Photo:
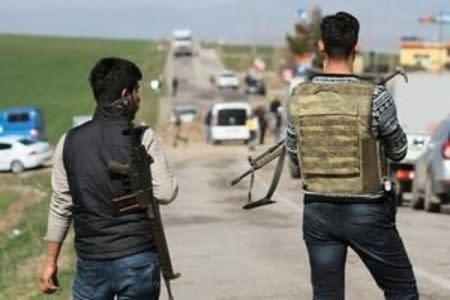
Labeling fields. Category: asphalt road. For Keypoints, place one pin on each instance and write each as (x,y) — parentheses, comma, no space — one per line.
(224,252)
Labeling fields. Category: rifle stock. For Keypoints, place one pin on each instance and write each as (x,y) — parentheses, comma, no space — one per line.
(261,160)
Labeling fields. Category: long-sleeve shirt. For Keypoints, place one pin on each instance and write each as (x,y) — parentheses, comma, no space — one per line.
(165,187)
(385,125)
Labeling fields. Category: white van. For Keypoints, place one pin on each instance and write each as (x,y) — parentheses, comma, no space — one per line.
(182,42)
(229,121)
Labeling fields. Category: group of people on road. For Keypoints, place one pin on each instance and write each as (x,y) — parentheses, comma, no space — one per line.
(260,120)
(341,129)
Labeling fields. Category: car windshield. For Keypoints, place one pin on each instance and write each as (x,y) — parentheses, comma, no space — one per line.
(18,117)
(186,111)
(232,117)
(228,75)
(26,142)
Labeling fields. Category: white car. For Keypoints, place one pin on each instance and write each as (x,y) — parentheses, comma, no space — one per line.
(186,112)
(227,79)
(19,153)
(229,121)
(403,172)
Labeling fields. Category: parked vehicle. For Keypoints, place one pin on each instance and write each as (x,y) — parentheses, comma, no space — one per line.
(186,113)
(18,153)
(254,86)
(22,121)
(227,79)
(403,171)
(431,185)
(229,121)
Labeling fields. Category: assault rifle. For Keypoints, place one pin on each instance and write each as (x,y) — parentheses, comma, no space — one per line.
(279,151)
(138,178)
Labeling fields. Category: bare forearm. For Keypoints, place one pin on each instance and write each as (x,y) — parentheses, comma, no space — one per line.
(53,250)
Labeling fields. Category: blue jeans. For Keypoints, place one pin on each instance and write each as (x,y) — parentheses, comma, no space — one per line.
(132,277)
(329,229)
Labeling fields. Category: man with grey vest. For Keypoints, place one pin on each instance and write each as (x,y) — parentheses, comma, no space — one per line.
(116,256)
(341,132)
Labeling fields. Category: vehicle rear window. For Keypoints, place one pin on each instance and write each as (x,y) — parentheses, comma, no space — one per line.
(26,142)
(232,117)
(18,117)
(4,146)
(228,75)
(186,111)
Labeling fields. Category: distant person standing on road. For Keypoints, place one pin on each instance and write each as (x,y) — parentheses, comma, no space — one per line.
(178,129)
(262,122)
(276,119)
(341,131)
(208,121)
(279,124)
(116,256)
(252,126)
(174,86)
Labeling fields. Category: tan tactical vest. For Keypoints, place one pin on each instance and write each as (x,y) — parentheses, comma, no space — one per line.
(337,152)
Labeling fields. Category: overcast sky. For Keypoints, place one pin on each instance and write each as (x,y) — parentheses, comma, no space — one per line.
(383,22)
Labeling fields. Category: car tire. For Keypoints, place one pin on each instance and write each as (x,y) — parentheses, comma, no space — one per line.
(17,167)
(429,197)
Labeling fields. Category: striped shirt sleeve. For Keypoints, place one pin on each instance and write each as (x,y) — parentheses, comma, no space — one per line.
(385,124)
(291,139)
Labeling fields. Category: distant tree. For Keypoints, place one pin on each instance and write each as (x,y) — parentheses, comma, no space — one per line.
(306,36)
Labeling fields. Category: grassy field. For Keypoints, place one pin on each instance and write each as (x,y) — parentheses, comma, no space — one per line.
(5,200)
(240,57)
(21,252)
(52,74)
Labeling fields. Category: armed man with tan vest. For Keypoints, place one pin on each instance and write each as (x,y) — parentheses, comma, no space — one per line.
(341,132)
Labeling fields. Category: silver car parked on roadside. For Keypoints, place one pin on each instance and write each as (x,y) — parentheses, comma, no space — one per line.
(431,184)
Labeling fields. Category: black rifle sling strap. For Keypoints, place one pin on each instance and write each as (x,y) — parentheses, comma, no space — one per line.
(267,199)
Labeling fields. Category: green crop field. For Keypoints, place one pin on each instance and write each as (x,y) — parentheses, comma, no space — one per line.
(52,74)
(240,57)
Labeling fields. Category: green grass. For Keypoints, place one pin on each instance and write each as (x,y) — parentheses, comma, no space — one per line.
(52,74)
(241,57)
(6,199)
(20,255)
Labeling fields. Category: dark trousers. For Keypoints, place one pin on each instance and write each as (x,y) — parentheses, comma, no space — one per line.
(134,277)
(262,134)
(330,228)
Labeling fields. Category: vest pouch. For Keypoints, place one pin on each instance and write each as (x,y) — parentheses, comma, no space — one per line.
(329,145)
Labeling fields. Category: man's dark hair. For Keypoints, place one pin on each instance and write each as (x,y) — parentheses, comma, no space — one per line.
(339,34)
(110,76)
